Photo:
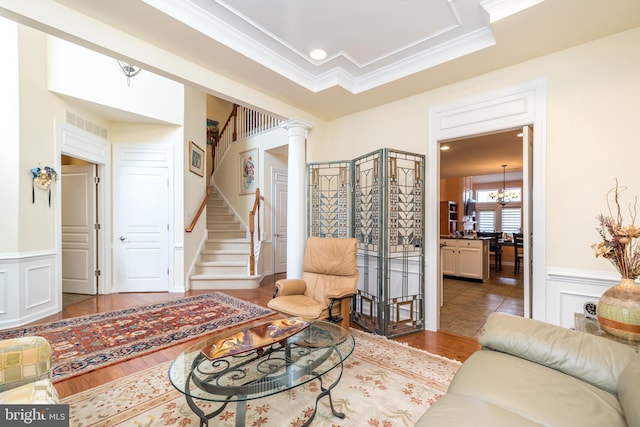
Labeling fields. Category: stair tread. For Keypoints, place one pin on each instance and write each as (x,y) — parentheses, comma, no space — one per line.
(225,252)
(222,263)
(223,276)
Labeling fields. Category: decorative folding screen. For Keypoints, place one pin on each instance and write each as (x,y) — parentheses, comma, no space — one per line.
(330,199)
(384,203)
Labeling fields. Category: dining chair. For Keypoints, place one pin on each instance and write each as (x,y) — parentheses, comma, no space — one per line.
(495,247)
(518,251)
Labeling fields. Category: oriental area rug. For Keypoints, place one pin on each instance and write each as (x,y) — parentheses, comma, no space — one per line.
(384,384)
(82,344)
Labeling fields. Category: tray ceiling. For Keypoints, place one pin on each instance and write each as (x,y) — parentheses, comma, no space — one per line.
(368,42)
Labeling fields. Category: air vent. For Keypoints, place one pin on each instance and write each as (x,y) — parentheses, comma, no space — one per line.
(590,309)
(86,125)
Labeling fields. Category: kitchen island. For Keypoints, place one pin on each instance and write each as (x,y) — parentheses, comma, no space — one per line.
(465,257)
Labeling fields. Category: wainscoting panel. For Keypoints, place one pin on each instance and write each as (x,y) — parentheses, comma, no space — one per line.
(4,290)
(34,291)
(568,290)
(38,285)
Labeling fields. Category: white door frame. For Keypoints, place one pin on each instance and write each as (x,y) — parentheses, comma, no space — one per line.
(81,144)
(276,176)
(511,107)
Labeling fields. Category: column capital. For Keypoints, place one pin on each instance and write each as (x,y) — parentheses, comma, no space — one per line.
(296,124)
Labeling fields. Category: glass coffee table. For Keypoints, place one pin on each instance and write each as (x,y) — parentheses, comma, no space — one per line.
(258,361)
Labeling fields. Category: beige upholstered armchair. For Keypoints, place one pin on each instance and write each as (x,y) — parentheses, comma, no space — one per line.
(329,280)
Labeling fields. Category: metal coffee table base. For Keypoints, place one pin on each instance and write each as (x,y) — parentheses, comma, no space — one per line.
(241,409)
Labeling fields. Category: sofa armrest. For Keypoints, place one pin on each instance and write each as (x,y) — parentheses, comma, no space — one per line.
(289,287)
(593,359)
(24,360)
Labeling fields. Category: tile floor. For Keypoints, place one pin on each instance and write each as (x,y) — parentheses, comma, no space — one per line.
(468,304)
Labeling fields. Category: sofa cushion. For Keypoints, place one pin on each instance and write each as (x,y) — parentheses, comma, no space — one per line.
(23,360)
(596,360)
(629,392)
(39,392)
(535,392)
(457,410)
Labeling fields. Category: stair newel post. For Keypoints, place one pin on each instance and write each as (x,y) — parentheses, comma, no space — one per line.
(252,221)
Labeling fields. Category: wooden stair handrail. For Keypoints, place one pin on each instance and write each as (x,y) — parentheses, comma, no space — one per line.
(252,217)
(190,228)
(230,120)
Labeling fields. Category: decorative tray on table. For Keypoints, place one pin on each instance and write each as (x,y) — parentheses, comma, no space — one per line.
(255,338)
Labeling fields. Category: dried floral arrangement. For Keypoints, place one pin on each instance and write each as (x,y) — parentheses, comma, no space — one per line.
(619,243)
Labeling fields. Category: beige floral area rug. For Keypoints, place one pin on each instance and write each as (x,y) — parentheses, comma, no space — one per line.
(384,384)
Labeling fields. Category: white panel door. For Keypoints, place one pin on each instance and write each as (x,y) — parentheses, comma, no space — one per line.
(79,261)
(280,222)
(142,235)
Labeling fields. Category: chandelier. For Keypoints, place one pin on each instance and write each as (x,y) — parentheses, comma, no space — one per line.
(502,197)
(129,70)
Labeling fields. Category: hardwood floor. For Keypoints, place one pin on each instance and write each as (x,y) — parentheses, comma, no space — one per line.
(447,344)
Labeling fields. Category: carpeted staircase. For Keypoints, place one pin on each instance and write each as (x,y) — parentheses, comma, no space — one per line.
(224,260)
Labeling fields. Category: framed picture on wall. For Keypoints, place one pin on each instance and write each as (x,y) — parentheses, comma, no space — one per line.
(248,171)
(196,159)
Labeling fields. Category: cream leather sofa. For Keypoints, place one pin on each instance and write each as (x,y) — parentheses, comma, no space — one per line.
(530,373)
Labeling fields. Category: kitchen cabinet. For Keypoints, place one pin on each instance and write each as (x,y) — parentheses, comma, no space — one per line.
(468,258)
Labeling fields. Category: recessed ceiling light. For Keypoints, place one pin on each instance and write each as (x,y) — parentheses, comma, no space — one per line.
(444,147)
(318,54)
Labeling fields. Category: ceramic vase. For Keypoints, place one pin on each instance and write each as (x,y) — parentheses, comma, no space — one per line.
(618,310)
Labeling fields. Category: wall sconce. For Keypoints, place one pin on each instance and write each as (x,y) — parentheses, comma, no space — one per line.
(129,70)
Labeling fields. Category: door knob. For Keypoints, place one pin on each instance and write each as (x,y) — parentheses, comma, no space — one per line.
(122,238)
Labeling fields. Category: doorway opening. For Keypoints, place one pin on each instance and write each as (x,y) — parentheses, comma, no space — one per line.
(469,173)
(76,146)
(79,229)
(524,106)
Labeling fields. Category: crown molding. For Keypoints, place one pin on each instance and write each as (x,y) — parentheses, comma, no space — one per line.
(466,33)
(500,9)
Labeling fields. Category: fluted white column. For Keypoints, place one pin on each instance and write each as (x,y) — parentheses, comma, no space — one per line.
(296,195)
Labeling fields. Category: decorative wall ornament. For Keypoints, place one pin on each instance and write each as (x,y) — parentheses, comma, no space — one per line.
(42,178)
(248,171)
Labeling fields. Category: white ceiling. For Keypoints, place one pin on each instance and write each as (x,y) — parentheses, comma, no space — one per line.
(481,157)
(379,50)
